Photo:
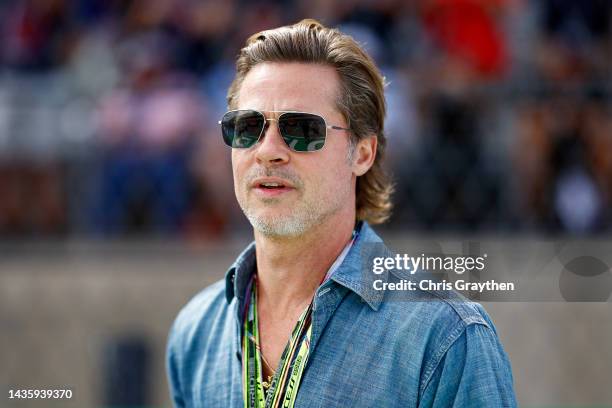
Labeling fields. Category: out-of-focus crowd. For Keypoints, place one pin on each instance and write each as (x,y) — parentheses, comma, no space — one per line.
(498,112)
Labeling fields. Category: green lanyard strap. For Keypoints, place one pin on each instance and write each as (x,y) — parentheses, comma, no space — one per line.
(286,380)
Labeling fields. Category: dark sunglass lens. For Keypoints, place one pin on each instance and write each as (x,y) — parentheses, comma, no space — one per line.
(241,129)
(303,132)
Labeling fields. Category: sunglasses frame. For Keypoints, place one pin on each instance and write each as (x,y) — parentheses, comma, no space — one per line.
(263,129)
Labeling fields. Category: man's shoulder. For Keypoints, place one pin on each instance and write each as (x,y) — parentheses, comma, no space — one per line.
(453,305)
(441,311)
(431,322)
(206,307)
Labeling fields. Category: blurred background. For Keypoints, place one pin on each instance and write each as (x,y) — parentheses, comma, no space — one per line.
(116,195)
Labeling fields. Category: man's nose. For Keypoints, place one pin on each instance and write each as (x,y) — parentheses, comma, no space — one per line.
(271,148)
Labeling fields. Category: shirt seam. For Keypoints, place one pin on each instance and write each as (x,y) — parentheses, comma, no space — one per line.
(466,316)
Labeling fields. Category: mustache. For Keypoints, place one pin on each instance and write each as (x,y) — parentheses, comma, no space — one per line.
(285,174)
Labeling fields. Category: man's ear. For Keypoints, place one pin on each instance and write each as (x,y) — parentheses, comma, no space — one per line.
(364,155)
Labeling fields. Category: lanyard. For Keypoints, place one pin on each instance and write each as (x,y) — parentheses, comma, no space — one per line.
(286,380)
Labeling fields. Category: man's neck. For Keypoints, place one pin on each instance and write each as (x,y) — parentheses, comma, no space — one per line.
(289,270)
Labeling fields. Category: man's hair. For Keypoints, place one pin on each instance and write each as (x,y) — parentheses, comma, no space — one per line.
(361,100)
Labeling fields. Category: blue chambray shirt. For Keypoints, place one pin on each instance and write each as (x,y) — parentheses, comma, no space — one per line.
(436,351)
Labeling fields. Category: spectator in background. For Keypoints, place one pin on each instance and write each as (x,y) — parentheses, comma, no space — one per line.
(147,127)
(468,30)
(37,35)
(564,149)
(564,159)
(450,182)
(36,38)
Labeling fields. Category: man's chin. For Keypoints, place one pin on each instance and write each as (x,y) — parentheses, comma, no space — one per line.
(278,226)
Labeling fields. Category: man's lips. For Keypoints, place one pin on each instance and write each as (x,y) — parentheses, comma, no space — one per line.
(271,182)
(271,186)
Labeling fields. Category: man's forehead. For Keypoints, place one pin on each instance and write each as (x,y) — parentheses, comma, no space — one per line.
(289,86)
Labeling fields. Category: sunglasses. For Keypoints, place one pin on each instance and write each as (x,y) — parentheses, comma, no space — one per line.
(301,131)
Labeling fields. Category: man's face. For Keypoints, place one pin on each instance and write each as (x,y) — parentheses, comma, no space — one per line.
(316,186)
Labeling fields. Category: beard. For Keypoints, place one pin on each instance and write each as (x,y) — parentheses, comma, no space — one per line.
(288,226)
(307,212)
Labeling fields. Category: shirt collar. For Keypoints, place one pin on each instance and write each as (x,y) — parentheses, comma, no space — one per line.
(238,275)
(348,274)
(351,272)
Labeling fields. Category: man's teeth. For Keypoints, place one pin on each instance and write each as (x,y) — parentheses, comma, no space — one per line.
(271,184)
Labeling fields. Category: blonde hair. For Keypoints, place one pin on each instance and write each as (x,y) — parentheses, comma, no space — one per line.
(361,100)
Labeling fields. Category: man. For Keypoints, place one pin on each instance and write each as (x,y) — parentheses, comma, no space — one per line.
(292,323)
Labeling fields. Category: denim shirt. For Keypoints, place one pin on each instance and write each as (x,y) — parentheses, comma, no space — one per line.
(437,351)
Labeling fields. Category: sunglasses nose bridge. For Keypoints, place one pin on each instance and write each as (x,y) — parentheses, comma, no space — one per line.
(266,127)
(271,145)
